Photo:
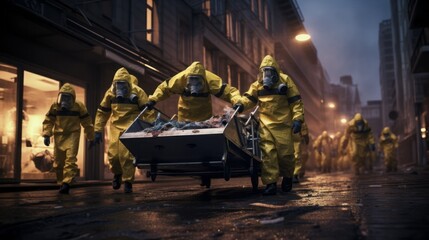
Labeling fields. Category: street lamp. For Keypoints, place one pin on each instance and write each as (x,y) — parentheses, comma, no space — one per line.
(302,37)
(331,105)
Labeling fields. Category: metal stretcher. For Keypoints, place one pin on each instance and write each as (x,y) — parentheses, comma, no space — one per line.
(226,152)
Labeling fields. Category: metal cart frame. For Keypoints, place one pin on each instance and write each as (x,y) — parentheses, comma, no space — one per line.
(225,152)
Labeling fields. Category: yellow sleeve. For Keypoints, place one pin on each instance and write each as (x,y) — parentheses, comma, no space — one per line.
(86,122)
(222,90)
(250,98)
(294,99)
(103,113)
(174,85)
(148,116)
(49,122)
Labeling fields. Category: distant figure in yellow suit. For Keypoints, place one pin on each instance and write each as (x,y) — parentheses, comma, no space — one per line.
(63,121)
(362,142)
(281,112)
(336,151)
(122,103)
(323,146)
(388,145)
(300,146)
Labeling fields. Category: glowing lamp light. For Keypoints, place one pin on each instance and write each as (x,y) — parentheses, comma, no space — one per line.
(302,37)
(343,120)
(331,105)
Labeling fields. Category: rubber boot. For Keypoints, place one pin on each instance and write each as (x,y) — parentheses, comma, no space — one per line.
(128,187)
(64,189)
(270,189)
(116,183)
(286,184)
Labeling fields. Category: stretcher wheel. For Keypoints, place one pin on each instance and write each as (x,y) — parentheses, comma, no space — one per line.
(152,172)
(153,177)
(254,178)
(226,171)
(206,181)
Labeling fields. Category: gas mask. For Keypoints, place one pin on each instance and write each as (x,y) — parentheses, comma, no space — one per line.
(121,89)
(65,101)
(270,77)
(360,125)
(194,85)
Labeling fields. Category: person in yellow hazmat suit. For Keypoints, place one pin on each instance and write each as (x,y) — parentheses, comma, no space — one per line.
(122,103)
(344,160)
(63,121)
(281,112)
(388,144)
(300,148)
(195,85)
(336,140)
(361,141)
(323,146)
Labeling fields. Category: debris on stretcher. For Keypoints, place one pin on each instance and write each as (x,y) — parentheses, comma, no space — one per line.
(173,125)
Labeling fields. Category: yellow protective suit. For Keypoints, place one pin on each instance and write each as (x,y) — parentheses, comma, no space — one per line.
(388,145)
(344,160)
(276,113)
(335,151)
(65,126)
(121,114)
(360,142)
(323,145)
(195,108)
(300,148)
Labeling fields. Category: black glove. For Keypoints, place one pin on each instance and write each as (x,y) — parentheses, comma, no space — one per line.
(296,126)
(150,105)
(46,140)
(238,106)
(98,137)
(306,139)
(372,147)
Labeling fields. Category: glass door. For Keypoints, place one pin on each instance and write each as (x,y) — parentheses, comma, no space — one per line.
(36,158)
(8,116)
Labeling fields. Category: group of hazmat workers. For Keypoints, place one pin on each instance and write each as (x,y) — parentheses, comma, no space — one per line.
(283,133)
(355,148)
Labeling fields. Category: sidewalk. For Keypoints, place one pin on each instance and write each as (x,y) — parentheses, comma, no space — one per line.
(393,205)
(38,186)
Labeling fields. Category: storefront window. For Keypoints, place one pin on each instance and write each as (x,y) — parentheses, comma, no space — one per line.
(8,77)
(36,158)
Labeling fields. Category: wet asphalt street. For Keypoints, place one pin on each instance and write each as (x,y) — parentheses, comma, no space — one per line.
(322,206)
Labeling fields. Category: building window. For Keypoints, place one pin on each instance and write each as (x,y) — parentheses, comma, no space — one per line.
(242,37)
(254,5)
(149,20)
(267,15)
(184,42)
(152,22)
(229,26)
(206,7)
(261,10)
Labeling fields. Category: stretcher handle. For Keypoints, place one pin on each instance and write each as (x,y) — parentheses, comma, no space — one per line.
(252,115)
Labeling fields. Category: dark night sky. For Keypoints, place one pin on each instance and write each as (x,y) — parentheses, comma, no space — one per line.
(345,33)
